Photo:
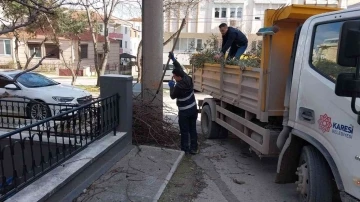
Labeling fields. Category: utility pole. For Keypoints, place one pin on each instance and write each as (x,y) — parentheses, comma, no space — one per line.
(152,50)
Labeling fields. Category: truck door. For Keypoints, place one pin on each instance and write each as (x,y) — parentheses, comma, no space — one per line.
(320,113)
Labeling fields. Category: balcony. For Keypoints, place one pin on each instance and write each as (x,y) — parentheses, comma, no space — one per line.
(115,35)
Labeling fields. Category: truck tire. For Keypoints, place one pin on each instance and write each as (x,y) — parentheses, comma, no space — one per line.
(314,176)
(210,129)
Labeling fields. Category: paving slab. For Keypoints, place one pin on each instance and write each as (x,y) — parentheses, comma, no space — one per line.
(141,175)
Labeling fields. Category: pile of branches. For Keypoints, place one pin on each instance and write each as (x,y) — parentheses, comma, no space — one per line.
(211,48)
(153,126)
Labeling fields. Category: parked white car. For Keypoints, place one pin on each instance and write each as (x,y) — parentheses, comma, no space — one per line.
(169,69)
(41,89)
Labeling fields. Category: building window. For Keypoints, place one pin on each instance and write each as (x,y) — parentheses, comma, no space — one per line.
(198,44)
(223,12)
(35,48)
(217,12)
(5,47)
(239,13)
(257,18)
(52,50)
(125,44)
(84,51)
(232,12)
(126,30)
(325,47)
(101,27)
(188,44)
(120,43)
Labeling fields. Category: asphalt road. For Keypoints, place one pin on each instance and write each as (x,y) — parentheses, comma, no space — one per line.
(225,170)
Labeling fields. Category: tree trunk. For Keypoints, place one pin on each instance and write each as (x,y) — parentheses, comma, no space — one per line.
(106,48)
(79,58)
(139,58)
(94,39)
(67,66)
(96,62)
(17,41)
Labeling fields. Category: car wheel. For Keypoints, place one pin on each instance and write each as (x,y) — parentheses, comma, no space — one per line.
(38,111)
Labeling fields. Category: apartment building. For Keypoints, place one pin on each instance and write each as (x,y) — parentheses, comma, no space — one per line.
(204,19)
(33,44)
(135,35)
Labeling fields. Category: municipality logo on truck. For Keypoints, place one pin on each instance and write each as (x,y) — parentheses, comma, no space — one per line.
(326,125)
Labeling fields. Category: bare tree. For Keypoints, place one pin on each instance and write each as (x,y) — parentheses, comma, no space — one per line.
(174,7)
(27,12)
(19,15)
(104,12)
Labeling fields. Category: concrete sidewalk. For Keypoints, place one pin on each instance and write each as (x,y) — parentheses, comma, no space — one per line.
(141,175)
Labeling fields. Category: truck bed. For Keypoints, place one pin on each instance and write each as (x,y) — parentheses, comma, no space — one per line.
(245,88)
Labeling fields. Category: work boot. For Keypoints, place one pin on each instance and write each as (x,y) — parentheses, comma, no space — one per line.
(194,151)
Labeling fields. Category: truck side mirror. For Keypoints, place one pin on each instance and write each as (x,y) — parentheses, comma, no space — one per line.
(348,55)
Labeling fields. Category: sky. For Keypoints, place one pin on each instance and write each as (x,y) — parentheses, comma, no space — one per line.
(128,10)
(327,31)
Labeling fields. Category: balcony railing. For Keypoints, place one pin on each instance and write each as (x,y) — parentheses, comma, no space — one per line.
(115,35)
(29,152)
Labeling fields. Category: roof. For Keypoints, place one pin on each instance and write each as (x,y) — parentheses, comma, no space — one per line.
(87,36)
(135,20)
(126,55)
(117,20)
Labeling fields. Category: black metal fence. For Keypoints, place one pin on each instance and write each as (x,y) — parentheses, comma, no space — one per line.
(29,152)
(18,112)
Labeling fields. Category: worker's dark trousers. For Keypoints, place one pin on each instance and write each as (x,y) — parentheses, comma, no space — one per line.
(187,123)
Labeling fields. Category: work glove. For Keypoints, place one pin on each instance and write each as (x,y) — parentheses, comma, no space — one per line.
(171,83)
(171,56)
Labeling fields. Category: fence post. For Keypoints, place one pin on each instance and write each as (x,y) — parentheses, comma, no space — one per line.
(112,84)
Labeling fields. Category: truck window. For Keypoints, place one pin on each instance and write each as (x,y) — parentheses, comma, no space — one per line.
(324,51)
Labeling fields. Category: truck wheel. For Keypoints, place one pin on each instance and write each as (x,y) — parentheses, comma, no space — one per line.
(314,176)
(210,129)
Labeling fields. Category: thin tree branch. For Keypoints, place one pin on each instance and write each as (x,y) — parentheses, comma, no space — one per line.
(31,20)
(31,69)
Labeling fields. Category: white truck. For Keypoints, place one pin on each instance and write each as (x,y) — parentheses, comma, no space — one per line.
(300,104)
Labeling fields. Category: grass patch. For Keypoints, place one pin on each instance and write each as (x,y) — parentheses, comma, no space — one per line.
(93,89)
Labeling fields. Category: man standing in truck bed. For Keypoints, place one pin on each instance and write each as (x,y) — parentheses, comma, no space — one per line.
(233,39)
(183,92)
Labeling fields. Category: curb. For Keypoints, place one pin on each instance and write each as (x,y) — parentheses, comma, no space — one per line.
(168,177)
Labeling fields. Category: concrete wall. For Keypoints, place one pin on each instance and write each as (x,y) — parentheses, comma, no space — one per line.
(18,156)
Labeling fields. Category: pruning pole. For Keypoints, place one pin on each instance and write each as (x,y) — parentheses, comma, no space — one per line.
(167,64)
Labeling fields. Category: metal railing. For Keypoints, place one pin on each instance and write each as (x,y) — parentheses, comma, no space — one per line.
(29,152)
(17,112)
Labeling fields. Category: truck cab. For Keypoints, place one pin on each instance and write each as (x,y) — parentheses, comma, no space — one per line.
(309,80)
(321,121)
